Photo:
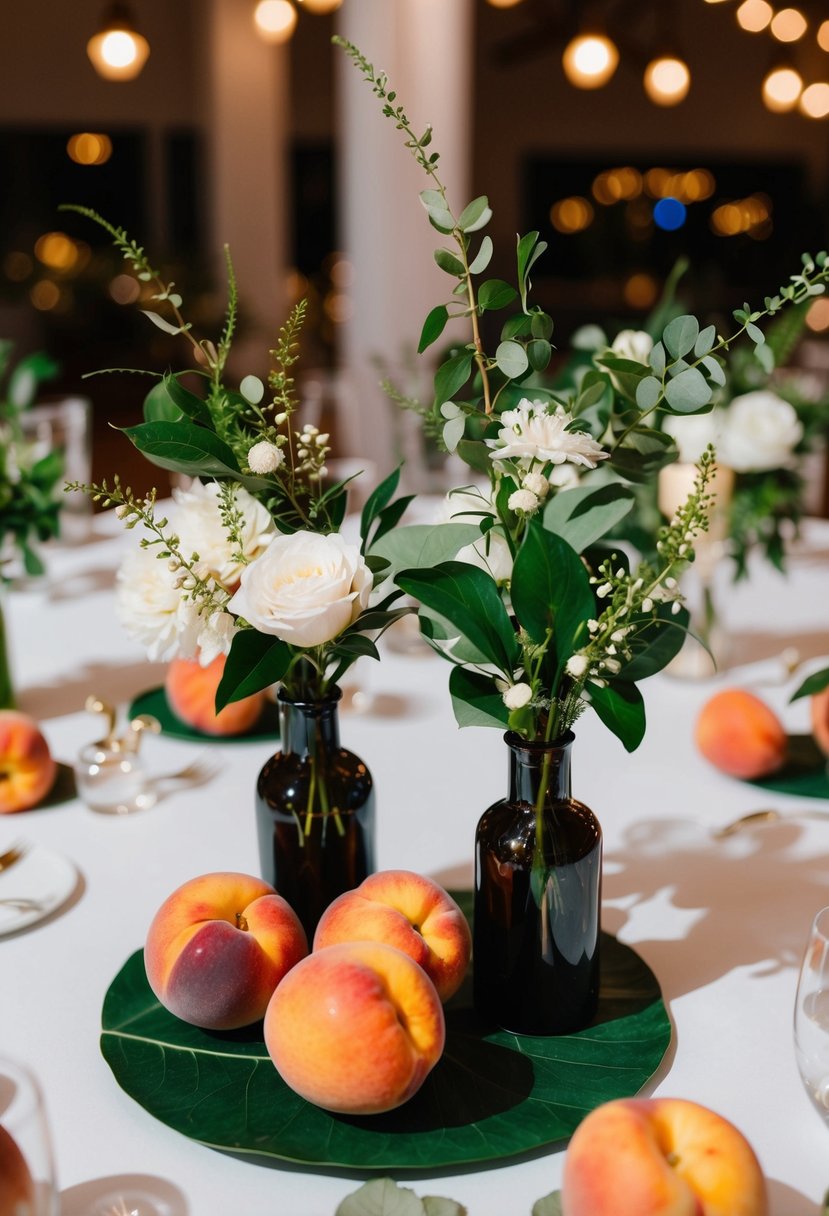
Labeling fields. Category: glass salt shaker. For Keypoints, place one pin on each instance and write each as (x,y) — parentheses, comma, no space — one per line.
(109,774)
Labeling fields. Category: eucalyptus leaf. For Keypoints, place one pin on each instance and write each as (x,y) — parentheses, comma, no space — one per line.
(453,431)
(648,392)
(680,335)
(714,368)
(483,257)
(442,219)
(449,262)
(688,391)
(657,358)
(475,215)
(511,359)
(706,339)
(541,325)
(495,293)
(539,353)
(252,389)
(475,699)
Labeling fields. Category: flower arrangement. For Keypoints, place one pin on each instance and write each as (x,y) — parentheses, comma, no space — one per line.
(29,483)
(567,620)
(249,561)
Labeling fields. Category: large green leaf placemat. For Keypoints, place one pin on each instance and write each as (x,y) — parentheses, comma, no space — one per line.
(154,701)
(492,1095)
(804,773)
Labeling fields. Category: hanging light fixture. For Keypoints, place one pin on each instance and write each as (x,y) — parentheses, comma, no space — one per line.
(590,59)
(116,50)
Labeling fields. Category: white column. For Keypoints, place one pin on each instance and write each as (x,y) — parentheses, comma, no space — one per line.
(246,102)
(425,48)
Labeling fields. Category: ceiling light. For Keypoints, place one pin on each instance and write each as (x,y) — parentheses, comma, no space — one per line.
(117,51)
(667,80)
(589,60)
(781,89)
(275,20)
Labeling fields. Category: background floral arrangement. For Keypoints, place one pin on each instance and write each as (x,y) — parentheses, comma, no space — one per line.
(545,616)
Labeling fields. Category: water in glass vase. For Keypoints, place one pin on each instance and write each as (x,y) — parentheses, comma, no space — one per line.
(811,1044)
(536,919)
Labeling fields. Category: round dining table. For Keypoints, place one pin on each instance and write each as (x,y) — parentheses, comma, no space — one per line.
(721,920)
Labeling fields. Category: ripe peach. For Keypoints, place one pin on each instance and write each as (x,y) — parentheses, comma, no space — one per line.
(819,708)
(218,947)
(740,735)
(408,911)
(355,1028)
(663,1157)
(17,1188)
(191,695)
(27,770)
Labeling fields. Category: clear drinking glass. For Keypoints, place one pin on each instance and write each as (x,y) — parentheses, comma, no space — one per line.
(811,1015)
(27,1176)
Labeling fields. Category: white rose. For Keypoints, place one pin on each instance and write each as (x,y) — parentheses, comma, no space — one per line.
(198,523)
(760,431)
(632,344)
(305,588)
(152,610)
(491,552)
(530,433)
(692,433)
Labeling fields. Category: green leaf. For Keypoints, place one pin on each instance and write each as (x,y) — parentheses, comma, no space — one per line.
(184,448)
(549,1205)
(475,699)
(449,262)
(475,453)
(256,660)
(469,599)
(541,325)
(680,335)
(643,453)
(626,373)
(433,327)
(657,359)
(452,375)
(380,496)
(539,353)
(495,293)
(424,545)
(252,389)
(583,515)
(436,1205)
(453,431)
(483,257)
(648,392)
(814,683)
(621,708)
(518,326)
(381,1197)
(688,391)
(755,334)
(356,644)
(655,641)
(476,215)
(550,591)
(390,516)
(707,338)
(714,369)
(511,359)
(492,1096)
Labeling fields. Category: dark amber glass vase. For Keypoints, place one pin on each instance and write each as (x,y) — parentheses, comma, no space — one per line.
(314,810)
(538,864)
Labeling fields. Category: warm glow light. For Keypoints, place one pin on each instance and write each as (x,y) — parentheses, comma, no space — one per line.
(320,6)
(124,289)
(338,307)
(823,36)
(817,318)
(640,290)
(56,250)
(751,215)
(504,3)
(781,89)
(117,51)
(616,185)
(275,20)
(667,80)
(814,100)
(696,185)
(45,295)
(754,15)
(589,61)
(570,215)
(89,149)
(788,25)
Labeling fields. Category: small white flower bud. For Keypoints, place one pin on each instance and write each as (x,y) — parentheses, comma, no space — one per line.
(647,604)
(523,500)
(537,484)
(173,564)
(613,666)
(605,590)
(122,511)
(675,607)
(593,626)
(518,696)
(576,666)
(265,457)
(280,418)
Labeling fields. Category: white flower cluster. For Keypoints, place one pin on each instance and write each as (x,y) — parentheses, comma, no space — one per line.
(531,434)
(312,450)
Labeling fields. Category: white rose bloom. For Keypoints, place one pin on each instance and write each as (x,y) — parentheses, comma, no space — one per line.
(199,526)
(523,500)
(760,431)
(151,609)
(632,344)
(265,457)
(491,552)
(517,696)
(529,433)
(305,588)
(692,433)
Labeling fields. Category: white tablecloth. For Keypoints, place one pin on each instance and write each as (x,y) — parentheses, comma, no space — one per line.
(721,922)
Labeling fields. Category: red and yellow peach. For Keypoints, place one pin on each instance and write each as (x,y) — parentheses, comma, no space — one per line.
(740,735)
(27,770)
(191,695)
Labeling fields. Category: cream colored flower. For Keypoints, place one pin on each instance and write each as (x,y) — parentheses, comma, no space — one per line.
(491,552)
(151,608)
(760,431)
(517,696)
(537,483)
(265,457)
(305,588)
(524,501)
(632,344)
(692,433)
(198,524)
(530,433)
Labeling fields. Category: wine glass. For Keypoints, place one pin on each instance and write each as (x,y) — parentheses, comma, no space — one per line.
(811,1015)
(27,1177)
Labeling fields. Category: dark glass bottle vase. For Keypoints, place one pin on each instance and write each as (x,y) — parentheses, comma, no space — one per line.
(537,909)
(314,811)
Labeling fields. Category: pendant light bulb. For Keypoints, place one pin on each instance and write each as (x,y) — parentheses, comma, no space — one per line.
(589,60)
(667,80)
(274,20)
(116,50)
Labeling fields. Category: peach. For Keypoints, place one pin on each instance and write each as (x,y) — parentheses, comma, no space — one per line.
(17,1188)
(408,911)
(27,770)
(740,735)
(660,1157)
(819,709)
(217,948)
(191,695)
(355,1028)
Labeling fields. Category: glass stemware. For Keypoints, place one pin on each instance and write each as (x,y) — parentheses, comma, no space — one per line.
(27,1179)
(811,1015)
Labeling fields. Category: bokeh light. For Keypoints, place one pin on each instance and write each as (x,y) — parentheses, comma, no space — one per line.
(667,80)
(590,60)
(669,214)
(788,25)
(814,100)
(572,214)
(640,290)
(781,89)
(754,15)
(88,148)
(275,20)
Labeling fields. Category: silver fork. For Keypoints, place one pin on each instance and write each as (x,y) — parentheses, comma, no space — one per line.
(12,855)
(197,772)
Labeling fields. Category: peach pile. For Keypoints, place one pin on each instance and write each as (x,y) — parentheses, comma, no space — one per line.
(17,1189)
(218,947)
(410,912)
(191,695)
(740,735)
(663,1157)
(27,770)
(355,1028)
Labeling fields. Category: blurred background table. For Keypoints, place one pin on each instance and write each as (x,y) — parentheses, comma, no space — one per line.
(722,922)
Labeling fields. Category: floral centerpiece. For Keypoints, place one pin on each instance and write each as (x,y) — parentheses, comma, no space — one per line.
(249,563)
(544,616)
